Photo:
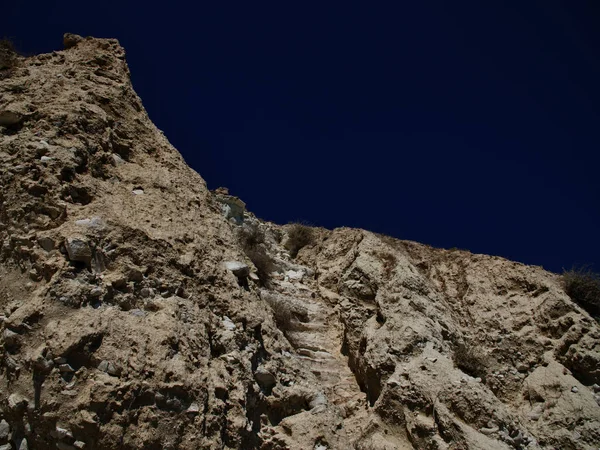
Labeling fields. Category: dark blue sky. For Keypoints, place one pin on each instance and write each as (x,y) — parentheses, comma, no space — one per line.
(458,124)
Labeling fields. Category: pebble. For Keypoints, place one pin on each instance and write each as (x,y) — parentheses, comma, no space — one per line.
(596,388)
(46,159)
(138,191)
(108,367)
(574,389)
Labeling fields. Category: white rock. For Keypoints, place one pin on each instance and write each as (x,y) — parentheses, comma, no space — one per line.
(138,191)
(574,389)
(117,159)
(295,275)
(228,324)
(46,159)
(317,400)
(61,433)
(94,222)
(239,269)
(193,408)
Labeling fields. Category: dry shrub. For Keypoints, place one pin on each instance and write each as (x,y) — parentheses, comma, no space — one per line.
(299,235)
(8,58)
(470,360)
(252,240)
(583,286)
(389,262)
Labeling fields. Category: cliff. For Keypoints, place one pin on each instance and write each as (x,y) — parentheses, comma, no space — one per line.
(141,310)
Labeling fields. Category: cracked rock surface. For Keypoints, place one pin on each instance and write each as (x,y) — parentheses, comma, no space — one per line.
(132,316)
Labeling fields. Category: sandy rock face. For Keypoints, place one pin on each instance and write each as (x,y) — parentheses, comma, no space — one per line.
(132,316)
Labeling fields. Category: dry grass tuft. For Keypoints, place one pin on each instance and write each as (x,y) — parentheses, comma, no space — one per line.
(8,58)
(470,360)
(252,240)
(299,235)
(583,286)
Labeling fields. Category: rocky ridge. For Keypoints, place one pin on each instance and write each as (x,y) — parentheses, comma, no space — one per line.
(132,317)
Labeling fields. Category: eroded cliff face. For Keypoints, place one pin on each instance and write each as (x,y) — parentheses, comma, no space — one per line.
(133,318)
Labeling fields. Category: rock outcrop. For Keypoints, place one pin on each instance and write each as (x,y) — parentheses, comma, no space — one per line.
(132,317)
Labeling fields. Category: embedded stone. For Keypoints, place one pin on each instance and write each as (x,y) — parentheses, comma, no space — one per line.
(239,269)
(78,250)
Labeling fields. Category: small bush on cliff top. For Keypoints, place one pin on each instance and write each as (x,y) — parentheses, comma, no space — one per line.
(583,286)
(299,235)
(8,57)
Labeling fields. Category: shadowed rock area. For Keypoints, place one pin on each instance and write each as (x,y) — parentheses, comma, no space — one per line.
(132,315)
